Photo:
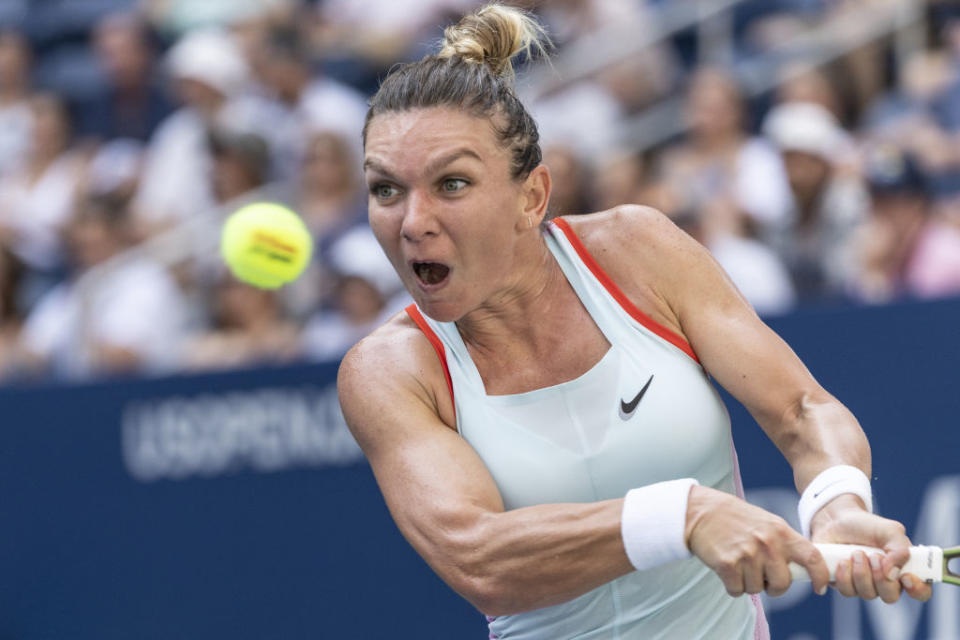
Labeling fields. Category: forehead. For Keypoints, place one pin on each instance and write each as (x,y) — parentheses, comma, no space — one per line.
(410,139)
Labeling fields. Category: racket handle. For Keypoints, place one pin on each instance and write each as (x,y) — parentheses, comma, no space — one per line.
(925,562)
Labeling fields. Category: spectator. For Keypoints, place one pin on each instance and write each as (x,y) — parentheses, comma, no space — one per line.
(330,196)
(330,199)
(719,160)
(904,249)
(583,116)
(127,317)
(210,76)
(178,17)
(571,181)
(366,293)
(805,84)
(828,200)
(15,63)
(132,103)
(37,199)
(303,100)
(249,328)
(621,177)
(634,81)
(754,268)
(241,163)
(380,32)
(114,169)
(914,117)
(11,313)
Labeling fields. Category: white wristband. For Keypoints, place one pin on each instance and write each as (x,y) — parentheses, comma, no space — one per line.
(828,485)
(653,521)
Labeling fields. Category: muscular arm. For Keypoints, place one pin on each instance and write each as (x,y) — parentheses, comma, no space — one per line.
(686,290)
(444,500)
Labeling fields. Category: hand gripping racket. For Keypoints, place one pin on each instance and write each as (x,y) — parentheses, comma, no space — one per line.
(927,563)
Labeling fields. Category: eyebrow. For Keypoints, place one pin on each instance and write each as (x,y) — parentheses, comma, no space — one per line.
(432,167)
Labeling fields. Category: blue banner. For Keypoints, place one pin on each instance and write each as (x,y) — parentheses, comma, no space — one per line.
(237,505)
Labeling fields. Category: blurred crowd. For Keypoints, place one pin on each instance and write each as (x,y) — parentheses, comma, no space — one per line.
(122,121)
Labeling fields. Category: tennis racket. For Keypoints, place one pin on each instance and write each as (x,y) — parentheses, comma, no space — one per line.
(927,563)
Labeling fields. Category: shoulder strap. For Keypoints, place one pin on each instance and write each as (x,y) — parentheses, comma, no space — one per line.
(614,291)
(434,339)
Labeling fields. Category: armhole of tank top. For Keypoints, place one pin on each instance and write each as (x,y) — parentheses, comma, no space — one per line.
(618,295)
(434,339)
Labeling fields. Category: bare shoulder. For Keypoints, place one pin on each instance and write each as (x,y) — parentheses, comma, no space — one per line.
(630,230)
(645,254)
(393,369)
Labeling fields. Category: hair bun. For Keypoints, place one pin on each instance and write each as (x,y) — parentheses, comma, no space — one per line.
(492,36)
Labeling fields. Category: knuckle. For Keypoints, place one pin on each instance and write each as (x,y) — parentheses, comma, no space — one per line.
(728,564)
(778,585)
(727,573)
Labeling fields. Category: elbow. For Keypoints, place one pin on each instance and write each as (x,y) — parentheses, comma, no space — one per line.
(484,595)
(492,596)
(477,575)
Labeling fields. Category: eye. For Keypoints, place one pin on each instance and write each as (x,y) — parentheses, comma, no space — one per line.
(383,191)
(453,185)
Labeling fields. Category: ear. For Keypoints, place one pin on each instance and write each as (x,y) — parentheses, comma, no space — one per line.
(536,196)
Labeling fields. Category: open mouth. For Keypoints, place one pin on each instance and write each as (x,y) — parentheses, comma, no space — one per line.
(430,272)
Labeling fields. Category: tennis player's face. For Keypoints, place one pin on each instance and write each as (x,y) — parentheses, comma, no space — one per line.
(444,207)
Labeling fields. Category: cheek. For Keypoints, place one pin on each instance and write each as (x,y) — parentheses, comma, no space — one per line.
(386,229)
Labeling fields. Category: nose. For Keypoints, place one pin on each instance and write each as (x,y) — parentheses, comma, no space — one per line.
(419,219)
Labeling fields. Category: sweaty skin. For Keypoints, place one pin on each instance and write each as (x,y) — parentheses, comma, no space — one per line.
(441,194)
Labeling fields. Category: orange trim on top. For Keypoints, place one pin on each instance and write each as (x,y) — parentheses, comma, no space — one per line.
(618,295)
(434,339)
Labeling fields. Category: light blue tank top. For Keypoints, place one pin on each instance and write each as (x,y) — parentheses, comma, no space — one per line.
(646,412)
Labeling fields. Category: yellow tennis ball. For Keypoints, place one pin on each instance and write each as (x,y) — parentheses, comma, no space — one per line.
(266,244)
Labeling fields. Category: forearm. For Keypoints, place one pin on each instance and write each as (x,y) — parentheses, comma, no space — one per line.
(818,432)
(534,557)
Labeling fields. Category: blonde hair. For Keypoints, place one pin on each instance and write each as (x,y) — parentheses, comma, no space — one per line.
(492,36)
(473,72)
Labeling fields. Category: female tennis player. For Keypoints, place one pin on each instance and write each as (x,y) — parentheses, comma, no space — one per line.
(542,422)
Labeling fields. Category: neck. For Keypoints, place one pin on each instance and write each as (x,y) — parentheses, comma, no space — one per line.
(525,313)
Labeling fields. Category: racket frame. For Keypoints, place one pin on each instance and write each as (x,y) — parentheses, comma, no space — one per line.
(948,576)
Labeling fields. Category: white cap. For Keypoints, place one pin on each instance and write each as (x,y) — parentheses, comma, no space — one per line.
(805,127)
(357,254)
(211,57)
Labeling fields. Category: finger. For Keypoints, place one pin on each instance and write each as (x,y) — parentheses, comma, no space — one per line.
(915,587)
(732,577)
(843,578)
(888,590)
(891,562)
(807,555)
(778,578)
(753,575)
(894,559)
(863,576)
